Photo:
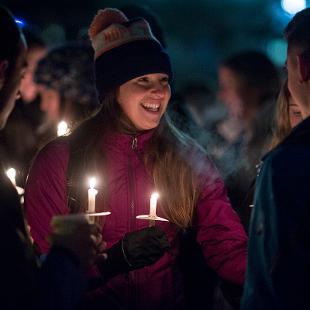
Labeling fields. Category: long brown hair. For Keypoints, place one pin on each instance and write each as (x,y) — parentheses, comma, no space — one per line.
(165,158)
(172,172)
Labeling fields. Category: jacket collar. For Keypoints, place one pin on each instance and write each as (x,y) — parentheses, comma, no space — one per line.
(125,142)
(300,133)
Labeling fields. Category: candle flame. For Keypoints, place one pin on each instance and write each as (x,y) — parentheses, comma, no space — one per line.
(92,182)
(11,173)
(155,196)
(62,128)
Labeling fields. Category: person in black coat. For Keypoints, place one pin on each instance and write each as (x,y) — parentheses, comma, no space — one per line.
(278,269)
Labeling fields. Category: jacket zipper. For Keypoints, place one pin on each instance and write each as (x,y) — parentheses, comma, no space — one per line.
(132,278)
(134,144)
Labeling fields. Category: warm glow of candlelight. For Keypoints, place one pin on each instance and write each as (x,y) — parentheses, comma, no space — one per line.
(92,182)
(92,192)
(153,204)
(62,128)
(11,173)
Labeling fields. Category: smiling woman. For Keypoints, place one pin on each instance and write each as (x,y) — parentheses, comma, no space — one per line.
(144,100)
(132,146)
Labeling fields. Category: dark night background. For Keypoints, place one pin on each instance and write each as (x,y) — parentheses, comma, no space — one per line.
(199,33)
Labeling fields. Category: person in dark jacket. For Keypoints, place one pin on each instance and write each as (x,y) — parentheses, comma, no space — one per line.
(278,268)
(133,150)
(59,282)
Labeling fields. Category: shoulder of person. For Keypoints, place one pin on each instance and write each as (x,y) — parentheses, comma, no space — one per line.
(54,155)
(288,162)
(57,147)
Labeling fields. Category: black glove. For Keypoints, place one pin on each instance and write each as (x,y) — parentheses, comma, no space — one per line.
(136,250)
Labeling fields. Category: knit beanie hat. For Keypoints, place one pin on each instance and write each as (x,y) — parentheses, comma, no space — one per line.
(124,49)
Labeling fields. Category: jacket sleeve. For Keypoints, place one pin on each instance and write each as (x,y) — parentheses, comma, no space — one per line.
(219,230)
(289,232)
(45,192)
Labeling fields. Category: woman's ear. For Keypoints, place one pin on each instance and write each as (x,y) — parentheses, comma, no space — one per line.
(303,64)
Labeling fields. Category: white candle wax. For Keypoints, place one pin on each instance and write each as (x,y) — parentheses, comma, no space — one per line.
(153,204)
(92,192)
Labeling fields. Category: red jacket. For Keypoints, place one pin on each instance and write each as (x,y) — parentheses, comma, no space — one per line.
(129,186)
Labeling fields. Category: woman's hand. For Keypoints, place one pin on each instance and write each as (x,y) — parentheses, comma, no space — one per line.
(136,250)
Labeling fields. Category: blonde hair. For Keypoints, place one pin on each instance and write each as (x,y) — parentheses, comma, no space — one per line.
(172,170)
(282,124)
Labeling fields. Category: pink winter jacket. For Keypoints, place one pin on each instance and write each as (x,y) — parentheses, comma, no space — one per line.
(219,231)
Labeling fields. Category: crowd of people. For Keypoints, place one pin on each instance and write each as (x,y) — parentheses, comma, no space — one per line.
(229,229)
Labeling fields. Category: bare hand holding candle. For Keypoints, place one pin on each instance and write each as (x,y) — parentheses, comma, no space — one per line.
(92,193)
(152,217)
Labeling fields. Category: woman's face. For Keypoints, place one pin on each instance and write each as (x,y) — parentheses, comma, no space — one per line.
(144,99)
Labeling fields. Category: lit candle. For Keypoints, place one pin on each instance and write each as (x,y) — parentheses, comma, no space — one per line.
(62,128)
(152,216)
(11,173)
(92,192)
(153,204)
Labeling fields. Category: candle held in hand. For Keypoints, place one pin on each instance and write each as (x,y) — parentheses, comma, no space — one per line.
(152,217)
(92,192)
(11,173)
(153,204)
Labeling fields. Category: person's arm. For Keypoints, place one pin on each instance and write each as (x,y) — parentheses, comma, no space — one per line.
(45,192)
(219,230)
